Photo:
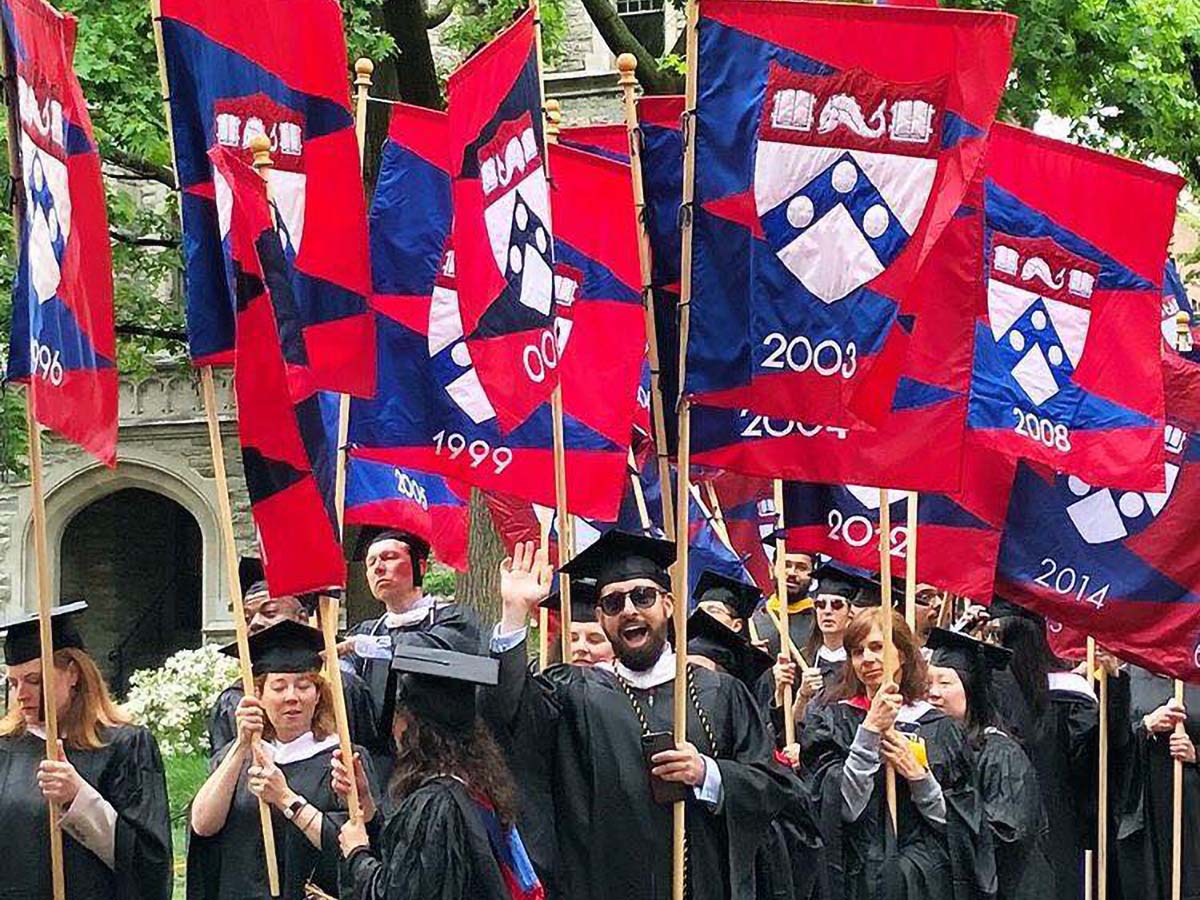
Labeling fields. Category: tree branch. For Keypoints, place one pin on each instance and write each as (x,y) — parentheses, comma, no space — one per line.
(620,40)
(438,13)
(166,334)
(143,240)
(140,166)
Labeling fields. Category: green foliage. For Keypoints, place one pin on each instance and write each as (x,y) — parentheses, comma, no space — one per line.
(439,581)
(675,63)
(475,25)
(185,775)
(1123,73)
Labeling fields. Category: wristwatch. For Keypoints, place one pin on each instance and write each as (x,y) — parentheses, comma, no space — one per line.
(292,809)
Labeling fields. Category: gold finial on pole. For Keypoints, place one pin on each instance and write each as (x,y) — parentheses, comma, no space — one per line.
(1183,331)
(627,66)
(553,120)
(363,70)
(260,146)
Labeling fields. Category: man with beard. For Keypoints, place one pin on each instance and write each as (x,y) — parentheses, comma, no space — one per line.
(395,566)
(799,570)
(593,723)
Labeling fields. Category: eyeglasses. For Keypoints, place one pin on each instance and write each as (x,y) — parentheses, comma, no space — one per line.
(837,604)
(641,597)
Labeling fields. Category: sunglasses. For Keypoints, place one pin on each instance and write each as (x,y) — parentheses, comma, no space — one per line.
(641,597)
(837,604)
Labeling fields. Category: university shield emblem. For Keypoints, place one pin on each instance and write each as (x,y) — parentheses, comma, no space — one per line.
(44,171)
(843,170)
(1039,308)
(516,212)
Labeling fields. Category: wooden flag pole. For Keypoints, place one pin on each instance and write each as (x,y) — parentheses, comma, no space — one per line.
(363,69)
(679,814)
(1088,855)
(543,612)
(910,560)
(890,661)
(785,630)
(41,550)
(208,392)
(639,496)
(627,67)
(241,632)
(718,517)
(1183,342)
(566,528)
(1102,812)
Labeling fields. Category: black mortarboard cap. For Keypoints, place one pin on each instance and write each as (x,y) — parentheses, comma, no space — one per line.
(439,685)
(740,597)
(962,652)
(729,649)
(22,641)
(1001,607)
(838,580)
(621,556)
(584,598)
(284,647)
(369,534)
(250,573)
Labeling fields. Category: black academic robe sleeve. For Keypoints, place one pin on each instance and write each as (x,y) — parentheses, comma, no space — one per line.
(137,790)
(423,855)
(1012,804)
(222,719)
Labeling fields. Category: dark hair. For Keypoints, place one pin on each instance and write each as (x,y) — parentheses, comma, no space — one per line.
(981,706)
(1032,659)
(426,751)
(418,551)
(912,664)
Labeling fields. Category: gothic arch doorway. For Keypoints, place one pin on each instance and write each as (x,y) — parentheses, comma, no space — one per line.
(135,556)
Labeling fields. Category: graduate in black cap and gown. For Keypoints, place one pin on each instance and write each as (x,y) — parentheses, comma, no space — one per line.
(786,865)
(395,564)
(1145,834)
(941,851)
(960,685)
(1062,737)
(598,725)
(283,754)
(798,571)
(109,781)
(268,611)
(452,835)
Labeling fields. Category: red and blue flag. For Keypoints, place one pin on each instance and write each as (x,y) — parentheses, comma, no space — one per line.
(748,512)
(1120,565)
(433,508)
(1067,344)
(287,456)
(834,144)
(63,343)
(278,68)
(503,240)
(434,410)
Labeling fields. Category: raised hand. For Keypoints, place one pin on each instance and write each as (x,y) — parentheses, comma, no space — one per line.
(524,583)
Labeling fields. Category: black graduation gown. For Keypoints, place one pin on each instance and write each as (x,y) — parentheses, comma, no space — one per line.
(614,840)
(434,847)
(448,626)
(1144,836)
(800,626)
(1012,804)
(927,862)
(128,773)
(788,860)
(1063,746)
(231,864)
(222,720)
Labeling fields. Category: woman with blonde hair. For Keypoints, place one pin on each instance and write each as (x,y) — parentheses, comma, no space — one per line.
(282,754)
(107,780)
(874,721)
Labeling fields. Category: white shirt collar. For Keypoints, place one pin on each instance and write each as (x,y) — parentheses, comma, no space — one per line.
(411,616)
(304,747)
(833,656)
(1071,683)
(659,673)
(910,713)
(38,731)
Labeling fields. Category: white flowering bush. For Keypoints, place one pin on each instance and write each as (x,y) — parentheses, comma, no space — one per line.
(174,700)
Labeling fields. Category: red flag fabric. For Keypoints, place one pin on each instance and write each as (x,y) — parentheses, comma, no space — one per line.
(1067,337)
(503,241)
(63,340)
(287,458)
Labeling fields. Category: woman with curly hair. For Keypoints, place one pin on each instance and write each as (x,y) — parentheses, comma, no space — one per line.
(874,721)
(451,836)
(107,778)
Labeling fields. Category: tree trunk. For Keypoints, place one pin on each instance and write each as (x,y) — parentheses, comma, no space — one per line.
(479,586)
(620,39)
(417,77)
